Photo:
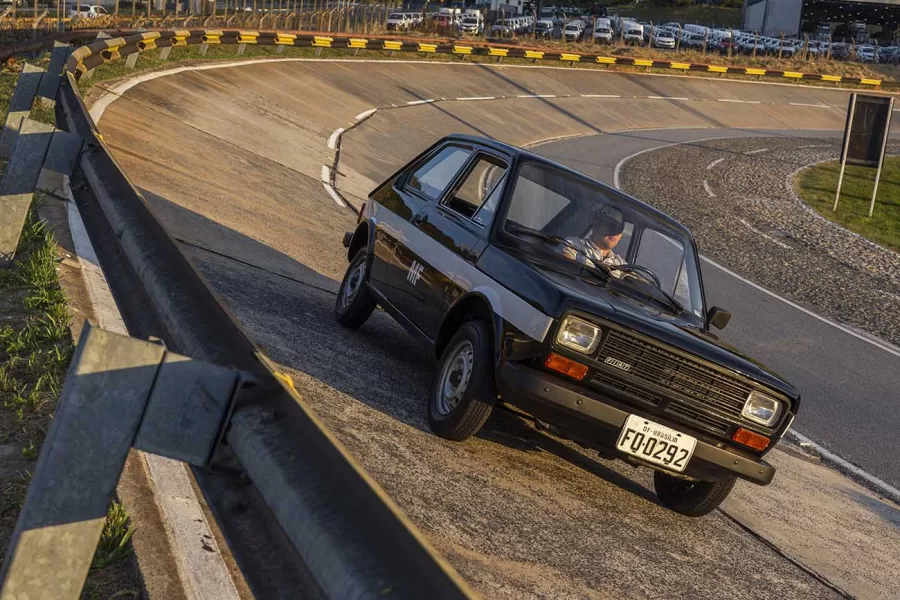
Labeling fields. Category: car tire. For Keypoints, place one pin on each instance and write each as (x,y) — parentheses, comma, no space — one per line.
(690,498)
(354,303)
(464,392)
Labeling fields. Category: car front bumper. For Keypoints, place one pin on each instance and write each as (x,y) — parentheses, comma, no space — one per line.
(568,407)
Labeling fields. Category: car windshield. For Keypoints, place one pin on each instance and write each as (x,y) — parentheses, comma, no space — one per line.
(555,204)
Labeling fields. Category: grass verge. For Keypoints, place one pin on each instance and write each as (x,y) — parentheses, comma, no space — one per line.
(817,185)
(35,351)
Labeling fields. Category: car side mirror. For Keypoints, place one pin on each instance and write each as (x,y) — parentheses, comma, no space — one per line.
(718,317)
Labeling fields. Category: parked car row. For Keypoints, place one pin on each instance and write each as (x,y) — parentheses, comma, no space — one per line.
(513,26)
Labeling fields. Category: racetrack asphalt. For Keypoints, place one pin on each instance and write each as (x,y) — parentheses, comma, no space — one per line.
(519,513)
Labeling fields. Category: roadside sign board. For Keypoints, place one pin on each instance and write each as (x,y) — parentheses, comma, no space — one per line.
(864,137)
(866,134)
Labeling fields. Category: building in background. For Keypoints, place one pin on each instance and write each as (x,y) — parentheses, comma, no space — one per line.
(847,19)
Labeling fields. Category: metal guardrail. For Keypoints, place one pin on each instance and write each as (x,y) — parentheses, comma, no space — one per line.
(122,392)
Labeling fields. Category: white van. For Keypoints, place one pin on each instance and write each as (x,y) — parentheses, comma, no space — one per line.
(574,31)
(633,33)
(471,22)
(603,31)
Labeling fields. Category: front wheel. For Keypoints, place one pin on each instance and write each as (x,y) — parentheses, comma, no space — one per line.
(690,498)
(464,391)
(354,304)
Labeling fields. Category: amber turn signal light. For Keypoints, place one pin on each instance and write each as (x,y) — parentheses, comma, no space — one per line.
(750,439)
(566,366)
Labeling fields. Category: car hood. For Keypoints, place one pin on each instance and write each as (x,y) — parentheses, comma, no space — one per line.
(645,316)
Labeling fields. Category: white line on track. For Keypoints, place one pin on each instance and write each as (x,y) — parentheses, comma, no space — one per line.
(757,151)
(665,98)
(536,96)
(882,485)
(766,236)
(326,174)
(811,105)
(814,146)
(365,114)
(731,100)
(604,96)
(333,138)
(710,166)
(334,195)
(708,189)
(864,338)
(414,102)
(477,98)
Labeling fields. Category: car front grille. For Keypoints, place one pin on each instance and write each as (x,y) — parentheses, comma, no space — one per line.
(702,395)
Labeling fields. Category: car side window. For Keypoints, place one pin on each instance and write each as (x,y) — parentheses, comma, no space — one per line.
(477,196)
(432,178)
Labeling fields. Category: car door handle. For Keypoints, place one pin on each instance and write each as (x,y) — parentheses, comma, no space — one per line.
(420,219)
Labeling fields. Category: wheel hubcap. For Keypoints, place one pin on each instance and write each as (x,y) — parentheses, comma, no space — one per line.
(455,377)
(353,283)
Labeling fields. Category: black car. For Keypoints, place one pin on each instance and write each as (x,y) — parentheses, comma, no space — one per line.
(494,259)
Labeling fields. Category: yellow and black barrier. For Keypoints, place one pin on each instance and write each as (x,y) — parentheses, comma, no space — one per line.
(88,57)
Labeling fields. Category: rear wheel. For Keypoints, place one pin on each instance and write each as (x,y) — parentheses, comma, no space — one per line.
(690,498)
(354,304)
(464,391)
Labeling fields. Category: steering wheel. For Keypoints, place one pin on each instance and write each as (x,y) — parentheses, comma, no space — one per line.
(642,271)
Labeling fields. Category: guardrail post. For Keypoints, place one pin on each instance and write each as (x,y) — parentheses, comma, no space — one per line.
(49,87)
(204,47)
(81,460)
(20,106)
(165,52)
(37,146)
(120,392)
(240,49)
(132,59)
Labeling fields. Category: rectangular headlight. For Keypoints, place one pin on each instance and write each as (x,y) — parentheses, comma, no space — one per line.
(761,409)
(578,334)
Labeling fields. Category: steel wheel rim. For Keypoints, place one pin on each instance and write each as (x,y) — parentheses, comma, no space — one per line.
(455,377)
(353,284)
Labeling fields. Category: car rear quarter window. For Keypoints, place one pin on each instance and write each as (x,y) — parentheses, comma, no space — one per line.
(432,178)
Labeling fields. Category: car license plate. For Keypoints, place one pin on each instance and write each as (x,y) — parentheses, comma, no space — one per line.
(656,443)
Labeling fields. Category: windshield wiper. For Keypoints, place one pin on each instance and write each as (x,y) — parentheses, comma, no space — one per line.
(604,275)
(650,277)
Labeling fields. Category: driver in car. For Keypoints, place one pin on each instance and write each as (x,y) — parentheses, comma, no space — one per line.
(597,247)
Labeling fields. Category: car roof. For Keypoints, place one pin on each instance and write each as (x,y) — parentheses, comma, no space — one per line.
(618,195)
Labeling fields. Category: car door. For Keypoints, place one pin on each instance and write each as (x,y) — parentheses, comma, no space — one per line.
(459,223)
(401,250)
